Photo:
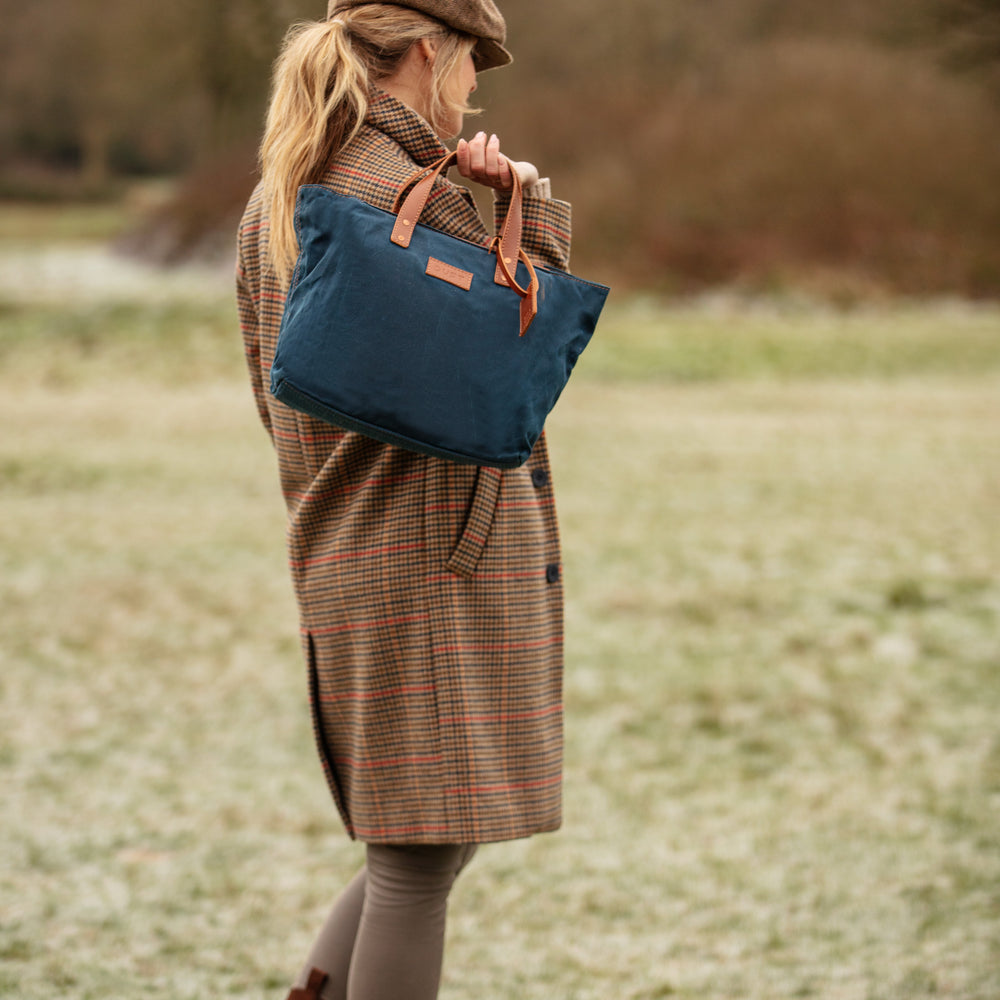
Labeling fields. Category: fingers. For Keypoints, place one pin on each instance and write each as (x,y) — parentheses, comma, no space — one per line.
(497,165)
(480,160)
(503,172)
(464,163)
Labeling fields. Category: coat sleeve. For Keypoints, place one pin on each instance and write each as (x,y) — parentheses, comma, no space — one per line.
(548,226)
(248,291)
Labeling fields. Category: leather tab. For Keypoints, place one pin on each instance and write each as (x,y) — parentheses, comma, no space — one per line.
(448,272)
(402,232)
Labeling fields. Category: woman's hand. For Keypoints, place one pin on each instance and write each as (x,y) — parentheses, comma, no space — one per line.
(480,160)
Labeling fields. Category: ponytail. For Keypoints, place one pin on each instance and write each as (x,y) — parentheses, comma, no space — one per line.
(319,100)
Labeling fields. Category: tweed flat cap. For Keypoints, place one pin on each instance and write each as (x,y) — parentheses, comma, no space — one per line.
(480,18)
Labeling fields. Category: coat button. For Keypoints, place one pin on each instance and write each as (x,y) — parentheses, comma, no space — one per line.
(539,478)
(552,573)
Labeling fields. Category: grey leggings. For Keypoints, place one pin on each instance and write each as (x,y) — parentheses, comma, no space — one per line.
(384,938)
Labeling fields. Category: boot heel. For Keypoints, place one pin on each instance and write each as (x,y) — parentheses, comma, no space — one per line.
(312,987)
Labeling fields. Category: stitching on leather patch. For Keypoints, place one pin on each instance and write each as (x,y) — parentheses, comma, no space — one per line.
(446,272)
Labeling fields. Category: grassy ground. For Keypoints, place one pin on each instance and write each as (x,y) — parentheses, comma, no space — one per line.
(783,759)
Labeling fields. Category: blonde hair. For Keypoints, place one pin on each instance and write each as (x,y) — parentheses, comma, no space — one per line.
(319,100)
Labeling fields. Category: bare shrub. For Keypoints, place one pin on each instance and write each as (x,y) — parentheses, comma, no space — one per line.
(792,157)
(199,220)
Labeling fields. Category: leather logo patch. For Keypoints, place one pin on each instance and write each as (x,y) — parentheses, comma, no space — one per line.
(446,272)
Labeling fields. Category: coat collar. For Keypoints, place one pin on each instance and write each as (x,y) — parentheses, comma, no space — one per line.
(404,126)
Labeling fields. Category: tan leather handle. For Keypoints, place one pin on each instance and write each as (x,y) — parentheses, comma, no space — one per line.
(412,208)
(529,295)
(510,235)
(407,216)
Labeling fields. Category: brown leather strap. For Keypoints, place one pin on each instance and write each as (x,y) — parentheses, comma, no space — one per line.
(312,987)
(412,208)
(507,245)
(510,232)
(413,205)
(529,295)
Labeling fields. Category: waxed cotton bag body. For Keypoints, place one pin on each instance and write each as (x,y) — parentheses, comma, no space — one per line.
(424,340)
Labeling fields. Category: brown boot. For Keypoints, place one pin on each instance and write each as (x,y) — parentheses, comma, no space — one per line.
(312,988)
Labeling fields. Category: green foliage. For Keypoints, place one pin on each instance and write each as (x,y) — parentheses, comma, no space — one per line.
(638,340)
(27,225)
(730,337)
(172,341)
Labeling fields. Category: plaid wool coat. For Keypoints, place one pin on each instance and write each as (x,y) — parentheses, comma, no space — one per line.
(430,593)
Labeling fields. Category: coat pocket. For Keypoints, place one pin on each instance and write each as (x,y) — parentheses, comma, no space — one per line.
(478,522)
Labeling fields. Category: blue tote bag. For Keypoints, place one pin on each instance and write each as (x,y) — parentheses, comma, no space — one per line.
(424,340)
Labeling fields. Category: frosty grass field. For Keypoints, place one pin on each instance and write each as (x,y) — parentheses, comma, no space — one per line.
(782,550)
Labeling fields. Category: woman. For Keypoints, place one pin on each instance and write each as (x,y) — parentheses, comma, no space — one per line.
(429,592)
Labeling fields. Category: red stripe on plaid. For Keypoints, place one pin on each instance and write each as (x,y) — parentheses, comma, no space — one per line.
(326,436)
(375,765)
(522,504)
(450,720)
(495,789)
(560,234)
(366,484)
(364,176)
(374,623)
(400,692)
(389,834)
(437,508)
(497,647)
(388,550)
(481,575)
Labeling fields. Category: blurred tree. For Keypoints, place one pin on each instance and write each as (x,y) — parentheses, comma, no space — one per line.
(78,76)
(972,36)
(232,44)
(100,52)
(699,141)
(83,80)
